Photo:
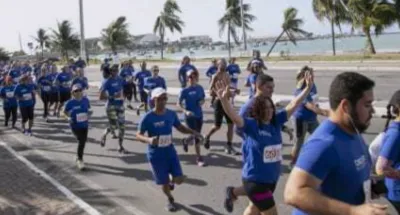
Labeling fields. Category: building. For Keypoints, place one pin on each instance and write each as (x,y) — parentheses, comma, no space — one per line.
(196,40)
(145,39)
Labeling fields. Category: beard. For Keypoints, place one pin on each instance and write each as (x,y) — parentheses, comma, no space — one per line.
(360,126)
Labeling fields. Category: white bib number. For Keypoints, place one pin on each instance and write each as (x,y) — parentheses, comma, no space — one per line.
(118,96)
(27,96)
(81,117)
(272,154)
(128,78)
(66,84)
(9,94)
(367,190)
(46,88)
(16,79)
(164,140)
(235,76)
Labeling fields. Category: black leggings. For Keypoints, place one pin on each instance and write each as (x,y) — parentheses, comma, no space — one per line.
(81,135)
(129,89)
(46,102)
(8,112)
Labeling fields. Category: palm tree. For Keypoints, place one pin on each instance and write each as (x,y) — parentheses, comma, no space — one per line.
(372,15)
(168,20)
(232,20)
(43,39)
(4,56)
(64,39)
(116,34)
(332,11)
(291,26)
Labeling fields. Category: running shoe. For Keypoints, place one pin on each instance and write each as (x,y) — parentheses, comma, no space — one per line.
(103,141)
(171,206)
(229,199)
(171,186)
(121,150)
(29,132)
(130,107)
(200,162)
(185,144)
(114,136)
(80,164)
(231,150)
(138,112)
(207,143)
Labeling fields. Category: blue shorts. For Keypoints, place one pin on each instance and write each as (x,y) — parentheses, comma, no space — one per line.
(194,123)
(165,164)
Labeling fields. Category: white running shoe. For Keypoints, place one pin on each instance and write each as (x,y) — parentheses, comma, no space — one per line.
(80,164)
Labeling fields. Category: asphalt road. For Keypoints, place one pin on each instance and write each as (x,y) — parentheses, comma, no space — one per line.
(386,81)
(122,184)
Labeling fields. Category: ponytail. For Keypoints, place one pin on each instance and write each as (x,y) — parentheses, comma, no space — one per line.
(389,116)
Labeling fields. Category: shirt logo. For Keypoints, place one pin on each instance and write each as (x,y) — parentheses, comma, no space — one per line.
(191,93)
(159,124)
(360,163)
(264,133)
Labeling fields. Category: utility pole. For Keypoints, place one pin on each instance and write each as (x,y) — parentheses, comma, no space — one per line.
(243,26)
(83,49)
(20,42)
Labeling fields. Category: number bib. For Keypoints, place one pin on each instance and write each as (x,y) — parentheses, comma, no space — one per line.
(367,190)
(9,94)
(27,96)
(46,88)
(81,117)
(66,84)
(272,154)
(164,140)
(128,78)
(235,76)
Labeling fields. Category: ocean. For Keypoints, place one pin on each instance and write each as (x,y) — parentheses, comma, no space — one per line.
(383,43)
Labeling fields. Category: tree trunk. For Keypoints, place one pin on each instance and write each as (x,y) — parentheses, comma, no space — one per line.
(42,52)
(276,41)
(369,41)
(229,40)
(333,36)
(162,47)
(66,54)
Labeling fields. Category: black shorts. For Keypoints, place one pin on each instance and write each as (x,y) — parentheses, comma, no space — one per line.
(54,97)
(260,194)
(128,90)
(27,113)
(194,123)
(64,96)
(219,114)
(143,97)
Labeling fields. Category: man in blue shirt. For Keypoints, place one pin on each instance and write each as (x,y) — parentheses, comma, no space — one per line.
(332,173)
(140,77)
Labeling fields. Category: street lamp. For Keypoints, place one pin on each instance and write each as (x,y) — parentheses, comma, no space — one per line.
(243,27)
(83,49)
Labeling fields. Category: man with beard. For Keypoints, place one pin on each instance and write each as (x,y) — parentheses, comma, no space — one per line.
(332,173)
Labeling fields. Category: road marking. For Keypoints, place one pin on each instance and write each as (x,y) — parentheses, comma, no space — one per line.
(75,199)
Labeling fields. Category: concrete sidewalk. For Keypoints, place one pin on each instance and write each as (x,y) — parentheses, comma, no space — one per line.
(23,190)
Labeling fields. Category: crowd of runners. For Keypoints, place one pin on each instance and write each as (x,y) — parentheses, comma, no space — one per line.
(332,173)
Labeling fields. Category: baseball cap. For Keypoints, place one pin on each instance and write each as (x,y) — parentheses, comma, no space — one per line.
(76,87)
(157,92)
(188,73)
(257,62)
(395,100)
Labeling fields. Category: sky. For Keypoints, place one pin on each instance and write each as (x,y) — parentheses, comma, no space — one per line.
(200,17)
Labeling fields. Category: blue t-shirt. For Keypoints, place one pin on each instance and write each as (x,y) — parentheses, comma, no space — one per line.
(182,72)
(64,80)
(45,83)
(251,80)
(25,95)
(113,86)
(244,112)
(26,69)
(192,95)
(262,148)
(80,64)
(15,75)
(160,126)
(140,77)
(234,72)
(211,71)
(340,160)
(78,112)
(82,81)
(302,112)
(391,151)
(52,78)
(7,93)
(127,75)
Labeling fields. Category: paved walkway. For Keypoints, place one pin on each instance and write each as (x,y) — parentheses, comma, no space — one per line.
(23,191)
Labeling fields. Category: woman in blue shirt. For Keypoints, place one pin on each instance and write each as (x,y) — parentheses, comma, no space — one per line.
(77,110)
(185,66)
(262,146)
(154,82)
(25,94)
(234,72)
(44,86)
(255,69)
(210,72)
(388,163)
(10,104)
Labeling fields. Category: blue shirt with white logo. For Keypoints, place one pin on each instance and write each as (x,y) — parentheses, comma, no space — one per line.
(182,72)
(140,77)
(211,71)
(127,75)
(234,72)
(64,81)
(15,75)
(45,83)
(302,112)
(82,81)
(113,87)
(78,112)
(7,93)
(25,95)
(192,95)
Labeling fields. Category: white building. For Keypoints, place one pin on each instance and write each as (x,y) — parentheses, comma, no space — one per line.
(196,40)
(146,39)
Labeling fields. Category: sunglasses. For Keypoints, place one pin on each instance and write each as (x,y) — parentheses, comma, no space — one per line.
(77,91)
(156,70)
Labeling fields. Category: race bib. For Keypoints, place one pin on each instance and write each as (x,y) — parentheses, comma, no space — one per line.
(46,88)
(128,78)
(9,94)
(81,117)
(118,96)
(164,140)
(272,154)
(66,84)
(27,96)
(367,190)
(235,76)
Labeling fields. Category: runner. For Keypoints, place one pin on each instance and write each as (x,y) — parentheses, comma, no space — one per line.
(210,72)
(127,75)
(262,147)
(154,82)
(255,70)
(190,101)
(112,91)
(388,160)
(63,83)
(54,100)
(15,72)
(77,110)
(105,68)
(25,93)
(234,72)
(185,67)
(139,78)
(257,57)
(305,117)
(332,172)
(10,104)
(130,65)
(44,86)
(161,152)
(80,79)
(26,68)
(219,112)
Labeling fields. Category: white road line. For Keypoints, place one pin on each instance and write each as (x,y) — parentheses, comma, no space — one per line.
(75,199)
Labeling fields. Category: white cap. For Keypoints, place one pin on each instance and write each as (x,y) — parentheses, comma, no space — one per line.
(188,73)
(255,62)
(157,92)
